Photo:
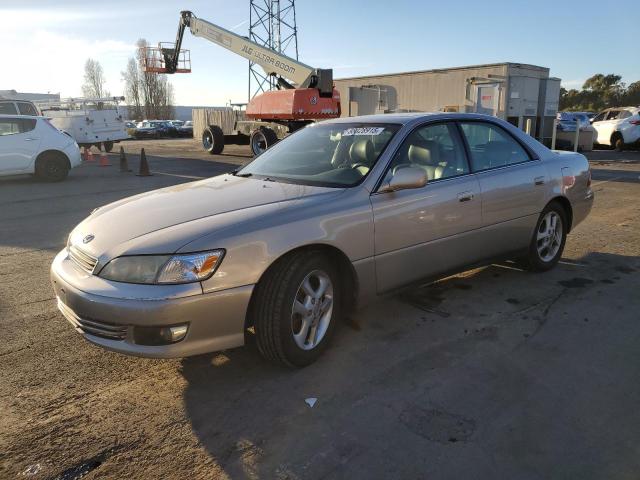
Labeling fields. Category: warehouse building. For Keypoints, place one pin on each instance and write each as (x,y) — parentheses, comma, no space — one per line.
(524,95)
(33,97)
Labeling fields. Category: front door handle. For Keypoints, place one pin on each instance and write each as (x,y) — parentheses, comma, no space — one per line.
(30,139)
(538,180)
(465,196)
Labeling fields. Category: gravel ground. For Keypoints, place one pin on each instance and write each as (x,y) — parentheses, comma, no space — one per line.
(494,373)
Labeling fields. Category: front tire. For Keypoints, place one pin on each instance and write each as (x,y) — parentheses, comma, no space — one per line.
(296,309)
(108,146)
(261,139)
(548,239)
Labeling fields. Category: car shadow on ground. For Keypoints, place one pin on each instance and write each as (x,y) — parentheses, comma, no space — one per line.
(495,373)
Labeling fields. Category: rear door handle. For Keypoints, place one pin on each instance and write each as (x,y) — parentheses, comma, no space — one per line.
(465,196)
(538,180)
(30,139)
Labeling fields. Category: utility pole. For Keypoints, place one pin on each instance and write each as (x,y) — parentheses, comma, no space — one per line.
(272,23)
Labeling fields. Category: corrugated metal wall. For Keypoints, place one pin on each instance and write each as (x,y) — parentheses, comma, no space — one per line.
(419,91)
(463,89)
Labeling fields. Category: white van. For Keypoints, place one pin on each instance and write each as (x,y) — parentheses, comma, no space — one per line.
(90,121)
(31,144)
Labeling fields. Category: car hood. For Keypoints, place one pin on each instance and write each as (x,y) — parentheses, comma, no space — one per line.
(162,221)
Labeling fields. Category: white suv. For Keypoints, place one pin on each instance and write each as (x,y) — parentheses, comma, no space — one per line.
(618,127)
(30,144)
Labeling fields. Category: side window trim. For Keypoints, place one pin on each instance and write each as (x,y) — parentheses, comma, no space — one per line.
(428,123)
(532,155)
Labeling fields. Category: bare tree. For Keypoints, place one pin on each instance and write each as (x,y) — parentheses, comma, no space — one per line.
(131,77)
(94,80)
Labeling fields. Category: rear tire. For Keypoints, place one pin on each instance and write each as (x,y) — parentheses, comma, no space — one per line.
(617,142)
(261,139)
(52,168)
(296,309)
(547,241)
(213,140)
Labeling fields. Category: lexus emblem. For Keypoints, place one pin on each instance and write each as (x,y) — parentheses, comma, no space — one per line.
(88,238)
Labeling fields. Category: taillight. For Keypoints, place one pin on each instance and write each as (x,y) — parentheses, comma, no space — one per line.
(634,122)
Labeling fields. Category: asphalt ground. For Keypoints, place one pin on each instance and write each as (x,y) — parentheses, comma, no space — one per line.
(494,373)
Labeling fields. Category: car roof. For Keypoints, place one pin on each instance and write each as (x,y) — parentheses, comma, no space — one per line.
(405,118)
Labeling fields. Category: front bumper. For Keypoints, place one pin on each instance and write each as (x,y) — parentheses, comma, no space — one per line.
(216,320)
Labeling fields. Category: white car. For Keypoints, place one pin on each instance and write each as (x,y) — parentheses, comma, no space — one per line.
(32,145)
(617,127)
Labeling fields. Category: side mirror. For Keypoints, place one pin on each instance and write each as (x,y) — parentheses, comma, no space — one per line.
(404,179)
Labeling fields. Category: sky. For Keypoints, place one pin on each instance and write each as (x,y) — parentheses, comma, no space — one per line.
(45,43)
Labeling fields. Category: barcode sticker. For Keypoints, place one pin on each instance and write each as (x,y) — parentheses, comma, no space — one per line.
(363,131)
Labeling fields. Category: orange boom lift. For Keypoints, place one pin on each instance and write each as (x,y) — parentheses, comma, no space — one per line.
(305,94)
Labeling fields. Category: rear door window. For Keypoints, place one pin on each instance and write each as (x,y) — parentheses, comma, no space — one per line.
(13,126)
(27,109)
(613,114)
(600,117)
(491,147)
(8,108)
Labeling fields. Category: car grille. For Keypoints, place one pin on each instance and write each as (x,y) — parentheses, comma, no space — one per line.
(92,326)
(82,259)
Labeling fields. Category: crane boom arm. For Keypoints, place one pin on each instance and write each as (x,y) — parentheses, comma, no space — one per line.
(272,62)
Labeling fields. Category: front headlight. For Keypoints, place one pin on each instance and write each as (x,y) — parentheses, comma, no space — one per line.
(163,269)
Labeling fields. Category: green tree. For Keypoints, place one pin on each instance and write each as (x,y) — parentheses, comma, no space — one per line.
(598,92)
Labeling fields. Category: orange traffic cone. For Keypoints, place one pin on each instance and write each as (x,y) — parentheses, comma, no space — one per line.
(90,155)
(104,161)
(144,166)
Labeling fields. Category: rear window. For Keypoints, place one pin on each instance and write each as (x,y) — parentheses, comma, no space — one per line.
(27,109)
(7,108)
(624,114)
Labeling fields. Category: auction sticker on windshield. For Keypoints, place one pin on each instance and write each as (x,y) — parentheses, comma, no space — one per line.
(363,131)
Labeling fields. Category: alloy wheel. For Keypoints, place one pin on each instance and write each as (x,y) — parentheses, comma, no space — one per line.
(549,236)
(312,310)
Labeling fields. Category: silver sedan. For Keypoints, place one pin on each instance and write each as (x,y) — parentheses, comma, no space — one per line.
(335,214)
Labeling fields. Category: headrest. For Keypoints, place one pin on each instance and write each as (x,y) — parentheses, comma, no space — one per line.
(427,153)
(362,152)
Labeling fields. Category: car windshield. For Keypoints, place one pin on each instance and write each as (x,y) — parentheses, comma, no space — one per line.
(330,155)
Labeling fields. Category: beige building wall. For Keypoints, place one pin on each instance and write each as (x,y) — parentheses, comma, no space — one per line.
(452,89)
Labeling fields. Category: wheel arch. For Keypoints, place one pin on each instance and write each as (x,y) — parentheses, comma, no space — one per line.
(346,271)
(566,205)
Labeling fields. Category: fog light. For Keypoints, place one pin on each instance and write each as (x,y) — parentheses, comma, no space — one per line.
(159,335)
